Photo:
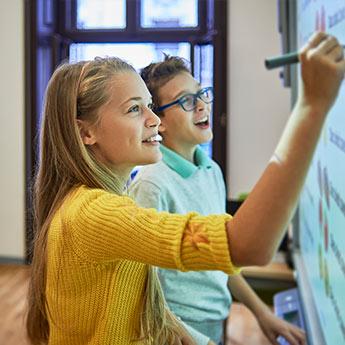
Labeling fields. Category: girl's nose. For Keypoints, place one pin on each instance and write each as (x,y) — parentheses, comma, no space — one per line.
(152,119)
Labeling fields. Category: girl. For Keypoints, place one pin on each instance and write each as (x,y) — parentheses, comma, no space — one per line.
(92,281)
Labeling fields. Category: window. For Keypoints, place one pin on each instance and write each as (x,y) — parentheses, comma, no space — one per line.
(96,14)
(169,14)
(137,54)
(81,29)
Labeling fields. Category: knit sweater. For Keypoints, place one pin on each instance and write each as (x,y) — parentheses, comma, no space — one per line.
(99,248)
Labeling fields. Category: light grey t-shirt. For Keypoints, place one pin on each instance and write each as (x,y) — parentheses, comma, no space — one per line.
(178,186)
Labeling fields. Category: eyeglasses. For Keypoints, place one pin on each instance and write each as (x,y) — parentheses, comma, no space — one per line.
(188,101)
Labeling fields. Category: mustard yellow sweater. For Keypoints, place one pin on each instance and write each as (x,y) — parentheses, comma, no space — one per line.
(99,249)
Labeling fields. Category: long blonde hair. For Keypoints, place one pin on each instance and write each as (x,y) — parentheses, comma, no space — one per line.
(77,91)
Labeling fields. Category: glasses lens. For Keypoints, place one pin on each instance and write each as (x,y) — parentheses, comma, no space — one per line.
(206,95)
(187,102)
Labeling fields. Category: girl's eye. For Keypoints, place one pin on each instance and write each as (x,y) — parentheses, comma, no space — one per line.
(150,106)
(134,109)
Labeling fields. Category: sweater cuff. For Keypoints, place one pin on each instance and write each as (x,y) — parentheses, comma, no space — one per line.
(205,244)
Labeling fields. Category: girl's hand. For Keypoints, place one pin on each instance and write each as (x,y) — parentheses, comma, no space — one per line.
(322,68)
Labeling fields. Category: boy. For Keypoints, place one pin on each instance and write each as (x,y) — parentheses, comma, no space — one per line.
(187,180)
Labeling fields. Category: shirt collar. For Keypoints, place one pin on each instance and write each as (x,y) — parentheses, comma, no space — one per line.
(181,165)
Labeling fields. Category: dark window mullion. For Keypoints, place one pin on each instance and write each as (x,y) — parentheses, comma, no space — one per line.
(67,16)
(220,86)
(192,52)
(73,10)
(64,17)
(132,17)
(67,22)
(202,16)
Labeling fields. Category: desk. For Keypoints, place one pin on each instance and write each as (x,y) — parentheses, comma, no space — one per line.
(274,271)
(269,280)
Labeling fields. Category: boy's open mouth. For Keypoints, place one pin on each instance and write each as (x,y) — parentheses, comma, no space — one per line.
(202,122)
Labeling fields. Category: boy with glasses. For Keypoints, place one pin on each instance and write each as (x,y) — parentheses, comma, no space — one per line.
(188,180)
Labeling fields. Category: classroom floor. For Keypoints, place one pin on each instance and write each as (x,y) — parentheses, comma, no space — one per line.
(14,281)
(242,327)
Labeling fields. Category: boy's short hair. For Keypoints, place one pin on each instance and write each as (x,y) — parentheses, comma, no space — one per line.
(157,74)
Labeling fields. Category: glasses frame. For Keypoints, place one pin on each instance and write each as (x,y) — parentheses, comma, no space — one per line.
(195,96)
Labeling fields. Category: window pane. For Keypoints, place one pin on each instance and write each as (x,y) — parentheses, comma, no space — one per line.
(137,54)
(101,14)
(169,14)
(203,73)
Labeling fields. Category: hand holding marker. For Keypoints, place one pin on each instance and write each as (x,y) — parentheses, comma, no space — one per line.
(283,60)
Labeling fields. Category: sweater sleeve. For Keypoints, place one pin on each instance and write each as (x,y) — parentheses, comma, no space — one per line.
(104,227)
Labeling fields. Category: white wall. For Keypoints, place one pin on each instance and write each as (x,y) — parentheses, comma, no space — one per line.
(258,103)
(12,240)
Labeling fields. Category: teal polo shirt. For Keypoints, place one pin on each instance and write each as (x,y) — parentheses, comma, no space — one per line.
(181,165)
(176,185)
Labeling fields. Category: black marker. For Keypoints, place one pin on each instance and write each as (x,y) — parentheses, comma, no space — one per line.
(283,60)
(279,61)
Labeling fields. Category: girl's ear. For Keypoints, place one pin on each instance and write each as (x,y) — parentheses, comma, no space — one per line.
(86,133)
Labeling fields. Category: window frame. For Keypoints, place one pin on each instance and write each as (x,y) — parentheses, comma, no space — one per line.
(133,32)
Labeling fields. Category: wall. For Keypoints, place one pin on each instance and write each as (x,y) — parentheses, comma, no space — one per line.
(258,104)
(12,241)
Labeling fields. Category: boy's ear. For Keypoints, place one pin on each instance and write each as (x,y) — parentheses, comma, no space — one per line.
(86,133)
